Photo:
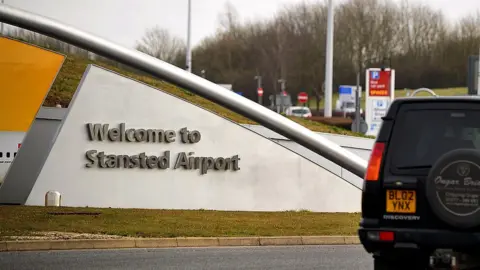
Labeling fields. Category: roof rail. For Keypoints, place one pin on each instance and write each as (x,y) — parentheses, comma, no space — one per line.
(423,89)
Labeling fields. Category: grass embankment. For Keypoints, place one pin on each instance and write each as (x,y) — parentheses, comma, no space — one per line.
(27,220)
(69,77)
(402,93)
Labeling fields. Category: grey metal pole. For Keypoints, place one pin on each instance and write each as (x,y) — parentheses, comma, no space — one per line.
(204,88)
(357,103)
(259,85)
(189,38)
(478,73)
(329,62)
(282,87)
(1,28)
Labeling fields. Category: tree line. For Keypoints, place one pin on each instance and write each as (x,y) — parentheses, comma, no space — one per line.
(418,41)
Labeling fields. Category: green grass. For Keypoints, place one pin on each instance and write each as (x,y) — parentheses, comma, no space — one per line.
(401,93)
(27,220)
(69,77)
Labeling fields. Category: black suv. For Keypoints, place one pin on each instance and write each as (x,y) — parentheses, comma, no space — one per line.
(421,194)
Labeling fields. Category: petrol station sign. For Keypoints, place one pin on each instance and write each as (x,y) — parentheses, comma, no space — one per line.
(380,92)
(379,83)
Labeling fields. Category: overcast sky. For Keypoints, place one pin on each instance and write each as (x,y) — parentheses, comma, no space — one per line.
(124,21)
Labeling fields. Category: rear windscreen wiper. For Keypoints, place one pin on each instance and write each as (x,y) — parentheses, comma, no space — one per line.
(414,167)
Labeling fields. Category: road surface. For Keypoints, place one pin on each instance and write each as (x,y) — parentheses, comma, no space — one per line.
(289,257)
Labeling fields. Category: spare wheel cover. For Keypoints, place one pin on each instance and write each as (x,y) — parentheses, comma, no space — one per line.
(453,188)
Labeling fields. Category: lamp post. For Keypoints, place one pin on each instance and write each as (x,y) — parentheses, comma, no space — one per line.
(189,34)
(329,62)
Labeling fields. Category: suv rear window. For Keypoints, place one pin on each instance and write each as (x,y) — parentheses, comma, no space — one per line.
(420,137)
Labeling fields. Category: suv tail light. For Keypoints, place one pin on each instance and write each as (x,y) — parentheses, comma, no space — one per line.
(373,169)
(384,236)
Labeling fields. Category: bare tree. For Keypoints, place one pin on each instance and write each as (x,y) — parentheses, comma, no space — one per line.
(229,19)
(424,48)
(161,44)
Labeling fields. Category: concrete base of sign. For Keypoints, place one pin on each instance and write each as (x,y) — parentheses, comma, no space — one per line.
(361,127)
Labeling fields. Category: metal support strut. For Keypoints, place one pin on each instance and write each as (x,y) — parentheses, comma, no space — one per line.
(423,89)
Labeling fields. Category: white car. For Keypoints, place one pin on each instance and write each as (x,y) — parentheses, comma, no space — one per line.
(298,111)
(347,107)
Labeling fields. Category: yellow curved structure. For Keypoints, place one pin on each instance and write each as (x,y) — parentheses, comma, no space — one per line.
(27,73)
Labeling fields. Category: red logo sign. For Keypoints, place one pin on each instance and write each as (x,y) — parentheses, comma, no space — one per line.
(260,92)
(302,97)
(379,83)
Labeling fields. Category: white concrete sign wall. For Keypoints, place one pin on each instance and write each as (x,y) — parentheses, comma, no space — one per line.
(357,145)
(89,171)
(9,144)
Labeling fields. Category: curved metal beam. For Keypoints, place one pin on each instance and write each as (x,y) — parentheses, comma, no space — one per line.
(180,77)
(423,89)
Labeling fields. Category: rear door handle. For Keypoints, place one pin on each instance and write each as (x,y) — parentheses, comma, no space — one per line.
(400,182)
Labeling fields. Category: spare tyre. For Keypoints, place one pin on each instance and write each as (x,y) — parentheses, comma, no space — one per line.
(453,188)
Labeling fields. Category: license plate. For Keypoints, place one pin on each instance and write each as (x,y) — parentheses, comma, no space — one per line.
(401,201)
